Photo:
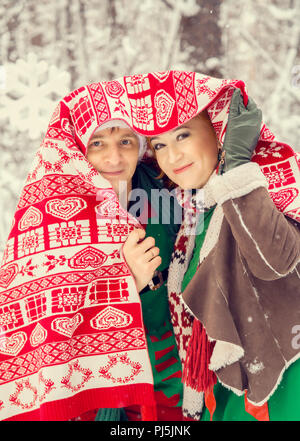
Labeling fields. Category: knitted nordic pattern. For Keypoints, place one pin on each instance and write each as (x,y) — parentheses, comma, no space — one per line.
(71,327)
(182,318)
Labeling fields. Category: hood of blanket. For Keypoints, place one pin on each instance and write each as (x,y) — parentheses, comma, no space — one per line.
(156,102)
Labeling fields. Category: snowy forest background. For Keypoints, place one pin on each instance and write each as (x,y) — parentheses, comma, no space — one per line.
(50,47)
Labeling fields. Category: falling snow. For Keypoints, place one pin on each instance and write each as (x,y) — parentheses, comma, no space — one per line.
(255,367)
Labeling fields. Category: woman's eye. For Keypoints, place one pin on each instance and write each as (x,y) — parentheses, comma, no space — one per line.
(158,146)
(182,136)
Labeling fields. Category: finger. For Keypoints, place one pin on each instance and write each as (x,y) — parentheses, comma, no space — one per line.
(146,244)
(254,112)
(154,263)
(251,105)
(135,236)
(151,254)
(235,102)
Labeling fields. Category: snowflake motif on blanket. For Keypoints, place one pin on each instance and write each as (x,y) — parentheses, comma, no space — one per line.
(273,149)
(117,363)
(48,386)
(203,88)
(24,388)
(74,368)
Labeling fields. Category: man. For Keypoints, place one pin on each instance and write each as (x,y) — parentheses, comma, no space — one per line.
(114,152)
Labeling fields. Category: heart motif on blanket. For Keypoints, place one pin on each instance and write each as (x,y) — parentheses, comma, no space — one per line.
(67,325)
(14,344)
(285,197)
(164,105)
(38,335)
(31,218)
(8,274)
(294,214)
(111,317)
(65,208)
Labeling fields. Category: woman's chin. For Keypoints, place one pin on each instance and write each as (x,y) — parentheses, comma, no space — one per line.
(184,185)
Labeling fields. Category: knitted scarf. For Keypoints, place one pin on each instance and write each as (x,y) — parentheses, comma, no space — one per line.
(71,329)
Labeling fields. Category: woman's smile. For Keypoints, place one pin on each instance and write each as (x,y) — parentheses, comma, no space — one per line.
(182,169)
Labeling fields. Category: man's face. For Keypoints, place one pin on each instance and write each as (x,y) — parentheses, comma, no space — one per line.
(114,153)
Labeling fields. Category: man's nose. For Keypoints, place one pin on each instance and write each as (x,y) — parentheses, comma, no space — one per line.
(113,154)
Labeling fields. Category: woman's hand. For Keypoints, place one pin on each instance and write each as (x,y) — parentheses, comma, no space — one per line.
(242,133)
(142,257)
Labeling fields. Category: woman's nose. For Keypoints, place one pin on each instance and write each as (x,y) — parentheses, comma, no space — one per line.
(175,154)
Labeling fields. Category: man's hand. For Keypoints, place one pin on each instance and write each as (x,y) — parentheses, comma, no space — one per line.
(142,257)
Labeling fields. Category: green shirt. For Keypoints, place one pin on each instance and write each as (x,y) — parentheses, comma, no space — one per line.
(162,348)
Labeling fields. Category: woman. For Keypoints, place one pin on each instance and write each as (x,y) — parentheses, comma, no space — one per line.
(240,276)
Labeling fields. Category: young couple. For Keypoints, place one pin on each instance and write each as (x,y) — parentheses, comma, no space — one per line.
(152,321)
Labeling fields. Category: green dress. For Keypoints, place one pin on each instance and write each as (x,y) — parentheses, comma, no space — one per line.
(283,405)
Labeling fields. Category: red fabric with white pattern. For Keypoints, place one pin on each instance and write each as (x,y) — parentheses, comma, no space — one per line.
(71,329)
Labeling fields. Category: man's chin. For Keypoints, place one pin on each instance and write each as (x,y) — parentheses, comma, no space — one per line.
(120,186)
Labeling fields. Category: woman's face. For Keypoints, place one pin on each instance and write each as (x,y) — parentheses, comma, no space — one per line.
(188,154)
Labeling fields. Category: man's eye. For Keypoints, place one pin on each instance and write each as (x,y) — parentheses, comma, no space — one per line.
(126,141)
(95,143)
